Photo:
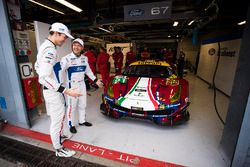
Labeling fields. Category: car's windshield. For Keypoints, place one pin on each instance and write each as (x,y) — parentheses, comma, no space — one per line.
(152,71)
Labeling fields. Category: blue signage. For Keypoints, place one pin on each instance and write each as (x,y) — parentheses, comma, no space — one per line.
(3,104)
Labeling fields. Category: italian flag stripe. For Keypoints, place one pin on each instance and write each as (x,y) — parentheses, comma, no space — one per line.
(120,100)
(152,99)
(137,82)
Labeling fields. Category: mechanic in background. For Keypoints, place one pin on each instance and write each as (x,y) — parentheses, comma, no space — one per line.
(118,60)
(48,67)
(92,61)
(169,56)
(103,63)
(181,63)
(130,57)
(74,67)
(145,55)
(91,55)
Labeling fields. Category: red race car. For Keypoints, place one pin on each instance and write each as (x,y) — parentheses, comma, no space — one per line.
(149,90)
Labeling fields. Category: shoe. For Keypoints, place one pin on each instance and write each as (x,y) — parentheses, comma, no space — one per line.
(85,123)
(65,137)
(63,152)
(73,129)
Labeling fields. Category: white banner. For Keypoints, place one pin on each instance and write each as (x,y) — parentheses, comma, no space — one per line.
(227,65)
(124,48)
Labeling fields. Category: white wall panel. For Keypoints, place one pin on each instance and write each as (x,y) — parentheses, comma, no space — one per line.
(227,65)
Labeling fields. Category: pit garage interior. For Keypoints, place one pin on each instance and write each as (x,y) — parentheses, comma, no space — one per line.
(217,58)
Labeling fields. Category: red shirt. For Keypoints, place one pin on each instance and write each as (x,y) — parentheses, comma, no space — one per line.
(118,57)
(102,60)
(169,56)
(145,55)
(130,57)
(91,57)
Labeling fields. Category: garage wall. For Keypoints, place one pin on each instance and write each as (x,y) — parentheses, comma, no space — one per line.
(12,105)
(242,153)
(227,65)
(32,57)
(239,103)
(189,49)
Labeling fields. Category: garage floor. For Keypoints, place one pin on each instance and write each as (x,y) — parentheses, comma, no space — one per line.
(195,143)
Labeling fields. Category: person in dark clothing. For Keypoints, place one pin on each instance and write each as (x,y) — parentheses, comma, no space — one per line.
(181,63)
(197,62)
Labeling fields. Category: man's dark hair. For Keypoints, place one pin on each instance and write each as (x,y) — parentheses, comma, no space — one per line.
(51,32)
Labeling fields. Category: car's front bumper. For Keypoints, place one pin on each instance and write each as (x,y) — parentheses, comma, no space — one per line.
(167,116)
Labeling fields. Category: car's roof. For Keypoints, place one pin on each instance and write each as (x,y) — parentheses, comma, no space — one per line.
(150,62)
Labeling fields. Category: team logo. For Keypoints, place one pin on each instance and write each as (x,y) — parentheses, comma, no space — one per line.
(79,69)
(136,12)
(61,29)
(211,51)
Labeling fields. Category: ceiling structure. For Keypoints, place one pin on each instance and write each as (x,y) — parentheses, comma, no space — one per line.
(207,16)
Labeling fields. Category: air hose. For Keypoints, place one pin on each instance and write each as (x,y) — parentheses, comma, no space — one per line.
(214,87)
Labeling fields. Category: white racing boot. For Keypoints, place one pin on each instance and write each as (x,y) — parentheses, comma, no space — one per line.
(63,152)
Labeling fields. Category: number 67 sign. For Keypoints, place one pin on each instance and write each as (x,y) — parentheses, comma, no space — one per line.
(148,11)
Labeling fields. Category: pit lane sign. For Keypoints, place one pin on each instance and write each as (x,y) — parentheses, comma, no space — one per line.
(148,11)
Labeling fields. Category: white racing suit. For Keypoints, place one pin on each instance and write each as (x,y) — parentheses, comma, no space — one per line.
(48,66)
(73,71)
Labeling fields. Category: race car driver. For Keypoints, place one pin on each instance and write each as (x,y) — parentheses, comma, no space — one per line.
(48,67)
(74,67)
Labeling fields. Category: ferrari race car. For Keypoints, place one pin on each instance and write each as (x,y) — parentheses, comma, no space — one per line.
(148,90)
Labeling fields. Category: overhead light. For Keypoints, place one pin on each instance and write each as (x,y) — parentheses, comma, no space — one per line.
(103,29)
(191,22)
(169,36)
(175,23)
(46,7)
(177,36)
(69,5)
(241,23)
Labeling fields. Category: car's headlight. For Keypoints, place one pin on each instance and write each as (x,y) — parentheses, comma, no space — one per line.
(161,107)
(117,86)
(176,96)
(110,91)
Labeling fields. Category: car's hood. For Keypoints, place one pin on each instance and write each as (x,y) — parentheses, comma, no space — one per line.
(147,93)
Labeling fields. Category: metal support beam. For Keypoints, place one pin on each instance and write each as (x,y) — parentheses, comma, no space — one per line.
(239,97)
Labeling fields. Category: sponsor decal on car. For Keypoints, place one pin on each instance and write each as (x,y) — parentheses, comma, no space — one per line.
(151,62)
(140,96)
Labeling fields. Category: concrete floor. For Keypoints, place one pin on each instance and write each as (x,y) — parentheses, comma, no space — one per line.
(5,163)
(195,143)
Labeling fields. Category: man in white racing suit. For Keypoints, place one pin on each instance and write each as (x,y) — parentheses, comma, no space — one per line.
(74,67)
(48,66)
